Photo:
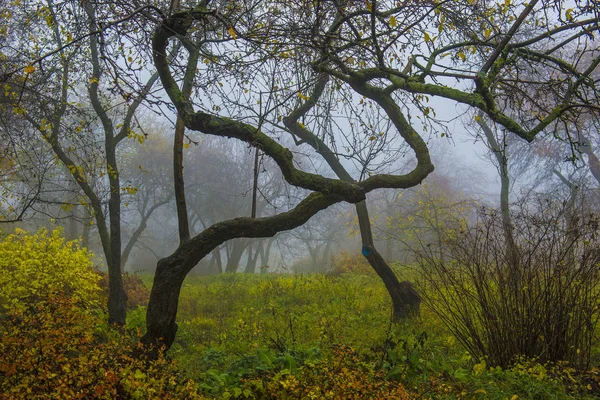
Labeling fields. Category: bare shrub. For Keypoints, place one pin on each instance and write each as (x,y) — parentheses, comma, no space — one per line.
(541,304)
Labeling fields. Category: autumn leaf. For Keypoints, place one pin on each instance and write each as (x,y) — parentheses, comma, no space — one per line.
(302,96)
(427,37)
(30,69)
(393,21)
(569,14)
(232,32)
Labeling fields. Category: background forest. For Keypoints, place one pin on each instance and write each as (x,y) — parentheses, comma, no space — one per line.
(299,199)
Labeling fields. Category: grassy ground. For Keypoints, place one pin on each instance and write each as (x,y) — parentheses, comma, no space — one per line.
(236,329)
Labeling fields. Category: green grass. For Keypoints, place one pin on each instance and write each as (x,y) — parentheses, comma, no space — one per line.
(234,327)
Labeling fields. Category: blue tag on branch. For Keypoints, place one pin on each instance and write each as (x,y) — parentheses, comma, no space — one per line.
(366,251)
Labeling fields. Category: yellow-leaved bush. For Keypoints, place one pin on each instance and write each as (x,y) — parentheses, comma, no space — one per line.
(33,266)
(54,339)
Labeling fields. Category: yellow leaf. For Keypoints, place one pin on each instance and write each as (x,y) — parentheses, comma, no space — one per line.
(515,397)
(569,14)
(393,21)
(462,56)
(487,33)
(186,145)
(30,69)
(232,32)
(478,118)
(371,138)
(427,37)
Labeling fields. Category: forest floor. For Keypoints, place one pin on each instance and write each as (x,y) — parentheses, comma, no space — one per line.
(318,336)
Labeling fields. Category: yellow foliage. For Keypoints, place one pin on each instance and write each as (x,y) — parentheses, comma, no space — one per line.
(36,265)
(54,349)
(344,377)
(347,262)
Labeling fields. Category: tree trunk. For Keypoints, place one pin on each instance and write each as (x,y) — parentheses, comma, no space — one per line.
(571,216)
(85,234)
(117,298)
(265,254)
(171,271)
(252,258)
(405,299)
(324,257)
(218,262)
(314,255)
(237,251)
(162,307)
(593,161)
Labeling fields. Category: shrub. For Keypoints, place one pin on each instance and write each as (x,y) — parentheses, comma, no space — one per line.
(348,262)
(541,303)
(53,341)
(55,349)
(37,265)
(343,377)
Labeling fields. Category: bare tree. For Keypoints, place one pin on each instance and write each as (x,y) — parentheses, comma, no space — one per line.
(380,52)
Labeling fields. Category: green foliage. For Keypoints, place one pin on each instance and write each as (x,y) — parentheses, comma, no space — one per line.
(343,376)
(38,265)
(262,337)
(278,336)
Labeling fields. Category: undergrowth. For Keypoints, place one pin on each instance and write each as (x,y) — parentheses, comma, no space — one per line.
(236,330)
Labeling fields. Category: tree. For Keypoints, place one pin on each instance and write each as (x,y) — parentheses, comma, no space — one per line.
(296,59)
(67,96)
